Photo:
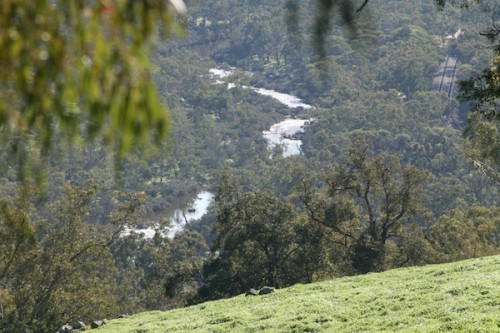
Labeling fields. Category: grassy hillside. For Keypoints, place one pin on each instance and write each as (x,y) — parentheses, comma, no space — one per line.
(457,297)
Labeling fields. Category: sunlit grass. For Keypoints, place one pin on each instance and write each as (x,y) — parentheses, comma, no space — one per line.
(457,297)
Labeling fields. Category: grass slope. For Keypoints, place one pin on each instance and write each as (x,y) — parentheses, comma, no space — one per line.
(458,297)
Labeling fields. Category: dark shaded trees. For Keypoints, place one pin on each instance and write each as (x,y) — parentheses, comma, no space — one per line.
(259,241)
(480,93)
(58,264)
(483,127)
(366,201)
(467,234)
(363,214)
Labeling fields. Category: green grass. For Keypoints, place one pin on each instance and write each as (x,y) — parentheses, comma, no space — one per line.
(458,297)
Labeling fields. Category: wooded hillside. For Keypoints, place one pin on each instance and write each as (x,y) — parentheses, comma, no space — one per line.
(376,173)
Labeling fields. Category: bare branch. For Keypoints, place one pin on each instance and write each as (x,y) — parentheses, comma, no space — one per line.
(362,6)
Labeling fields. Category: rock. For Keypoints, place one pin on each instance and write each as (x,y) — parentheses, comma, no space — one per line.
(65,328)
(266,290)
(96,323)
(122,316)
(252,292)
(80,325)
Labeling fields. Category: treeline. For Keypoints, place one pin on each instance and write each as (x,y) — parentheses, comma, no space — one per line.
(362,214)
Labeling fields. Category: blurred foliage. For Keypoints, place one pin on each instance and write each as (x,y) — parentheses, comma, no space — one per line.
(81,69)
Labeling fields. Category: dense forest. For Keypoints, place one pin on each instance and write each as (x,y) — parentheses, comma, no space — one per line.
(378,174)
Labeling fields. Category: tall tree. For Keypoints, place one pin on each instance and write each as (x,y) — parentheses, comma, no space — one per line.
(260,241)
(369,202)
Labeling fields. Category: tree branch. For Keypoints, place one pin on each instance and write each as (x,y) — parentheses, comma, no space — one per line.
(362,6)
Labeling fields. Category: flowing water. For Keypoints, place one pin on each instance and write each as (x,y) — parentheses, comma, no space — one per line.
(193,212)
(281,133)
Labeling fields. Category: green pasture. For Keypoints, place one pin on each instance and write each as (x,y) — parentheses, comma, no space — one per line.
(457,297)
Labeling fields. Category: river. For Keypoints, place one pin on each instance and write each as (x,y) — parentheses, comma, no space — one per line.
(283,132)
(192,212)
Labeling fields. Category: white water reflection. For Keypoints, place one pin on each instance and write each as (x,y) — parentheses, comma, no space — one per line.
(282,134)
(220,73)
(455,35)
(450,38)
(193,212)
(286,99)
(147,233)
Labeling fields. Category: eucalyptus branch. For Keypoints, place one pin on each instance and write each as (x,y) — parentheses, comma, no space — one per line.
(362,6)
